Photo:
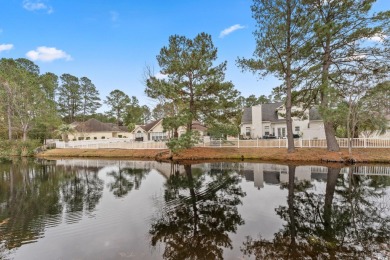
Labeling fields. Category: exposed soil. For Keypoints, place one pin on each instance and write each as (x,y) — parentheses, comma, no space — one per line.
(302,155)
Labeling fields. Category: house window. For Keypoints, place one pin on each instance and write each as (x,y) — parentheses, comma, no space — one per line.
(297,129)
(139,134)
(157,136)
(282,132)
(266,130)
(247,131)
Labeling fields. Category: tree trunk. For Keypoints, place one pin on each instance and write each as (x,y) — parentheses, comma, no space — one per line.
(330,135)
(24,134)
(329,230)
(9,109)
(290,201)
(9,121)
(193,198)
(290,138)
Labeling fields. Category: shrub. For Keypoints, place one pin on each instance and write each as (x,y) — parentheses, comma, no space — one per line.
(18,148)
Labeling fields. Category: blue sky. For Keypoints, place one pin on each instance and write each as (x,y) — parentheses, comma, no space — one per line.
(111,42)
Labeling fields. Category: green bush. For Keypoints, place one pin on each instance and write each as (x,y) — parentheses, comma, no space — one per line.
(18,148)
(185,141)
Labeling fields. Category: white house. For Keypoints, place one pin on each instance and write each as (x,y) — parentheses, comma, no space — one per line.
(268,121)
(154,131)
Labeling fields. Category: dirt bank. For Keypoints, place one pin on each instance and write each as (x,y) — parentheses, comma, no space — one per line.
(258,154)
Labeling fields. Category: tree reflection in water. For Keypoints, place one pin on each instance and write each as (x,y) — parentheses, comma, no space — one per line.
(125,179)
(33,196)
(200,210)
(349,221)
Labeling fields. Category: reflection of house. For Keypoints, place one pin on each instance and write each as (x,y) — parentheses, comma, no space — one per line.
(93,129)
(274,174)
(269,120)
(154,131)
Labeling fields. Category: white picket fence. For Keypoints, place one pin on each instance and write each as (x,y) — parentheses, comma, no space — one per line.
(121,143)
(311,143)
(114,143)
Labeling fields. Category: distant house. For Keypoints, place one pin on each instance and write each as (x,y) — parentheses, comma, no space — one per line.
(268,121)
(93,129)
(154,131)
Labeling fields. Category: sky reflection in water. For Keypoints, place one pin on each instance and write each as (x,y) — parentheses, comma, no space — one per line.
(96,209)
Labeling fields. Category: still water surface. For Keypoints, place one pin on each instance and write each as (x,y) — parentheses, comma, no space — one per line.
(96,209)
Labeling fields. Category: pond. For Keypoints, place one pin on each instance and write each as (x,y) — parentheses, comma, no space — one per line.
(106,209)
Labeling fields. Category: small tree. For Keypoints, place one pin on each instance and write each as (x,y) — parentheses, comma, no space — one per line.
(64,130)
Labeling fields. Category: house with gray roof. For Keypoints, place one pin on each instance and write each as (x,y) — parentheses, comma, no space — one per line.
(93,129)
(268,121)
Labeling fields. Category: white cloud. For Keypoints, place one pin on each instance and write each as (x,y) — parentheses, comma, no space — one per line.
(378,37)
(161,76)
(6,47)
(231,29)
(36,6)
(114,16)
(47,54)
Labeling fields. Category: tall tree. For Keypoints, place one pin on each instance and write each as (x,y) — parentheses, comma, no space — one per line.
(341,31)
(117,101)
(8,75)
(193,83)
(69,97)
(49,84)
(26,103)
(283,30)
(90,100)
(135,114)
(162,110)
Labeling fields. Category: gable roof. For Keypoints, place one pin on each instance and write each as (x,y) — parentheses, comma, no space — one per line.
(247,116)
(151,125)
(196,125)
(93,125)
(269,113)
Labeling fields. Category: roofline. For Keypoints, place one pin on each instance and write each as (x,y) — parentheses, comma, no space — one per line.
(155,124)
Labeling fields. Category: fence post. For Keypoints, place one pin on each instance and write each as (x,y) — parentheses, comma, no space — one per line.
(220,142)
(257,144)
(365,142)
(301,142)
(279,141)
(309,143)
(238,141)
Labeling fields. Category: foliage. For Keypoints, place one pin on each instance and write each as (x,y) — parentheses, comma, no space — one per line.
(184,141)
(90,100)
(342,51)
(283,31)
(193,84)
(223,130)
(69,97)
(18,148)
(136,114)
(117,101)
(28,104)
(64,130)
